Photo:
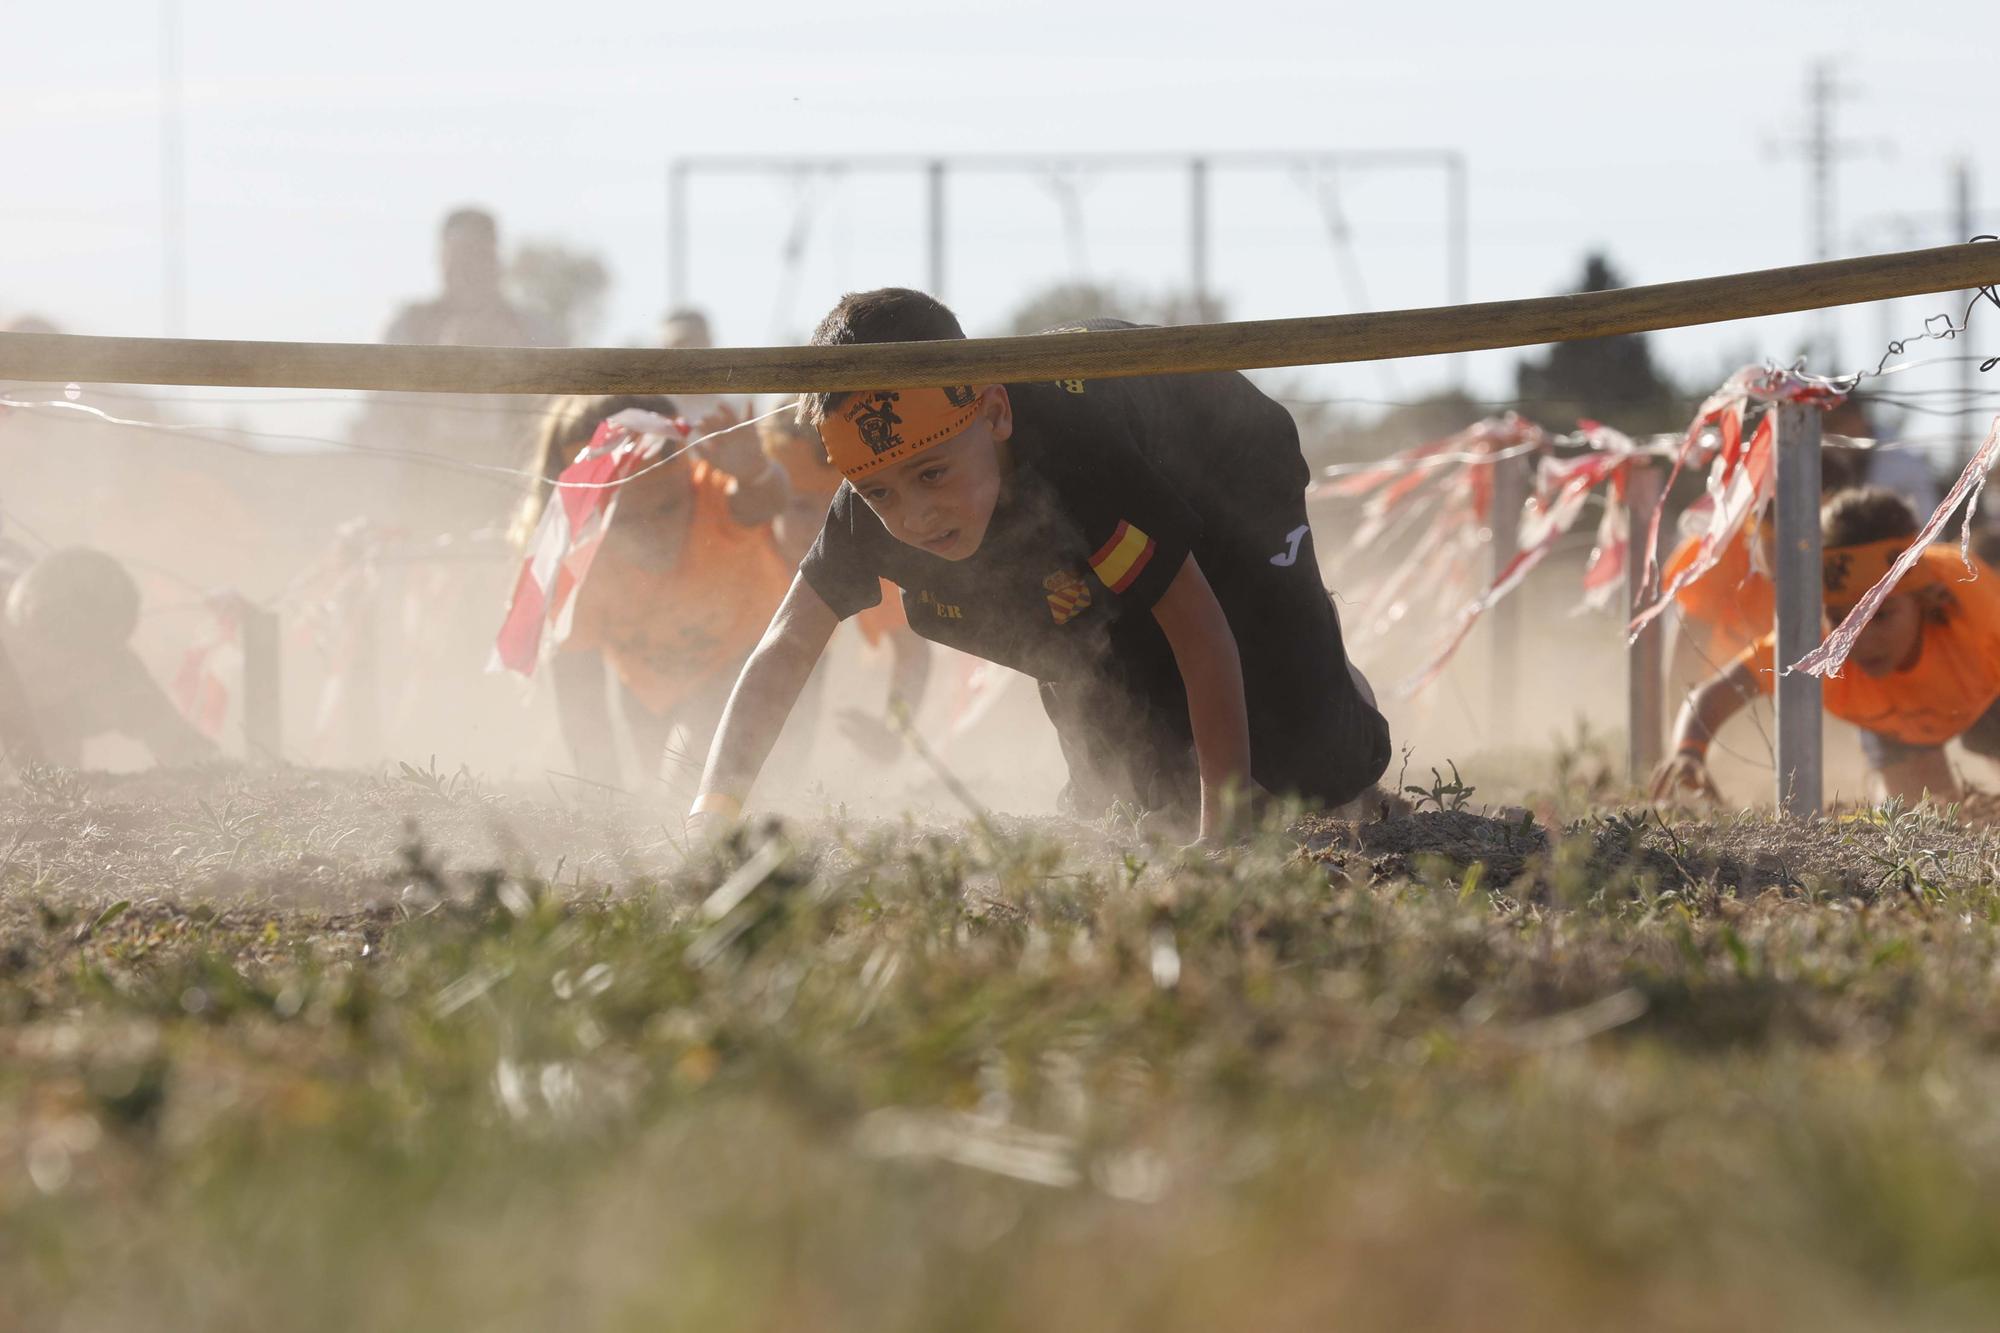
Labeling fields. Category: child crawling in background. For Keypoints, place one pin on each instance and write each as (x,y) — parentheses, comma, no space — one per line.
(1926,669)
(795,447)
(1730,607)
(1138,546)
(67,670)
(680,590)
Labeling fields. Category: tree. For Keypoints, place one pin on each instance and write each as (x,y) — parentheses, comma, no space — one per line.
(1612,379)
(1067,302)
(562,287)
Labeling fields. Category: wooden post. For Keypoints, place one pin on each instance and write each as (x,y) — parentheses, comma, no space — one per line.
(263,674)
(1797,577)
(1645,663)
(1510,493)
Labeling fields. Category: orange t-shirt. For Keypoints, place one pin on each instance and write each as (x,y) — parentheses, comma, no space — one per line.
(1732,602)
(669,629)
(1955,678)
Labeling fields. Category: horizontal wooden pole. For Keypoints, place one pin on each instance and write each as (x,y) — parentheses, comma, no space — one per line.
(1322,340)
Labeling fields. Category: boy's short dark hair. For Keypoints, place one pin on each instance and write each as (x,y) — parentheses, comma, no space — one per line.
(1867,514)
(885,315)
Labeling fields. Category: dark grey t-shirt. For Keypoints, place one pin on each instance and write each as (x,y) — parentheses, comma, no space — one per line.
(1115,483)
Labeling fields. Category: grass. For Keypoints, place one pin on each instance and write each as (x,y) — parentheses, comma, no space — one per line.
(1011,1076)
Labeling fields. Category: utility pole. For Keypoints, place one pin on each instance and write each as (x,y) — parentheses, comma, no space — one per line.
(1822,153)
(1820,97)
(173,177)
(1063,172)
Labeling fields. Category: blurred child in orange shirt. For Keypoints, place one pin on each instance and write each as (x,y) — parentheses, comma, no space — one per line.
(797,449)
(678,594)
(1925,670)
(1732,605)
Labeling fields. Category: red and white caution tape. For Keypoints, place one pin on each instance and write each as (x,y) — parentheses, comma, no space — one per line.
(1740,474)
(1830,656)
(201,684)
(571,530)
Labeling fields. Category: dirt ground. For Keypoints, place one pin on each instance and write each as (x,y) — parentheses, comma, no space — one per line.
(521,1060)
(345,849)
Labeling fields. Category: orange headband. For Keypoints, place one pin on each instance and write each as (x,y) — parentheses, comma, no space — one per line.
(880,428)
(1846,572)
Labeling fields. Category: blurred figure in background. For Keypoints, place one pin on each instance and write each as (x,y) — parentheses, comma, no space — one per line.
(438,527)
(471,309)
(686,329)
(1883,463)
(678,594)
(1925,671)
(796,448)
(68,639)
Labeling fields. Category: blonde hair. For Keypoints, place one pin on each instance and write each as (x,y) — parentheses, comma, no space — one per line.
(567,427)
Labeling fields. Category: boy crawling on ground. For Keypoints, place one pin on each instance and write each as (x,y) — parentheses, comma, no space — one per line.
(1138,546)
(1926,669)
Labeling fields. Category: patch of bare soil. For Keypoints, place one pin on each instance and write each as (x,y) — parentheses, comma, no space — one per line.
(1744,856)
(291,836)
(1405,845)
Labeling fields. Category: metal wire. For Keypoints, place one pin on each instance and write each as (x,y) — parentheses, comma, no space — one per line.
(201,433)
(1950,331)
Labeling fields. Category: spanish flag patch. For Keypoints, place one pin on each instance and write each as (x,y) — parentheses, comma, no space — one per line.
(1122,559)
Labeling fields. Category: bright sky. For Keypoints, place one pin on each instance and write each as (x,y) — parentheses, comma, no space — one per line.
(324,142)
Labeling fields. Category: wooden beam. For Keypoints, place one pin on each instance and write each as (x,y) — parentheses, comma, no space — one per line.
(62,358)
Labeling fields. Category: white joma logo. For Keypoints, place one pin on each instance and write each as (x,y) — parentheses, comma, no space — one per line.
(1290,554)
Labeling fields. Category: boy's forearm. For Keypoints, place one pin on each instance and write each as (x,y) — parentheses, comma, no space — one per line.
(764,696)
(1709,706)
(1220,720)
(1211,670)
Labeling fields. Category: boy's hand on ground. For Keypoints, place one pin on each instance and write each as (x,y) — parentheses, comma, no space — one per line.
(871,735)
(704,830)
(713,815)
(1685,773)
